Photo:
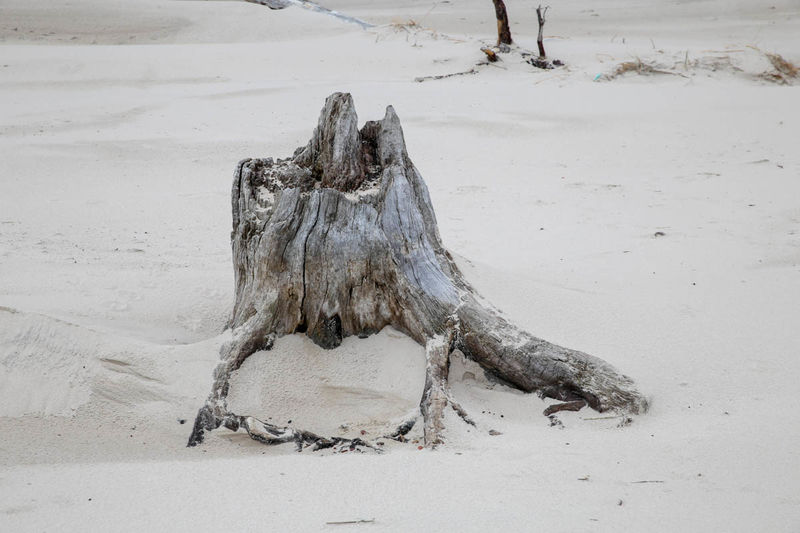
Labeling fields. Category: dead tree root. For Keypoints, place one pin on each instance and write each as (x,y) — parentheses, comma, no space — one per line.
(575,405)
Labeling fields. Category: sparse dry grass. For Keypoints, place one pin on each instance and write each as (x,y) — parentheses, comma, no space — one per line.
(637,66)
(784,67)
(406,25)
(783,71)
(640,67)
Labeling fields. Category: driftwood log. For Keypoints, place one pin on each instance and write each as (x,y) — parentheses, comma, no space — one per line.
(312,6)
(341,239)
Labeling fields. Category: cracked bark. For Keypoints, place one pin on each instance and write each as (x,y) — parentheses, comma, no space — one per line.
(341,239)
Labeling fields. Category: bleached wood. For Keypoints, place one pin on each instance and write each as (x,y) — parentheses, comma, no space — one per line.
(341,239)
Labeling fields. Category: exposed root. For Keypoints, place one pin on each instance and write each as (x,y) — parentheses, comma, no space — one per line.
(271,434)
(402,430)
(494,56)
(460,411)
(420,79)
(267,433)
(575,405)
(526,55)
(545,64)
(436,395)
(204,421)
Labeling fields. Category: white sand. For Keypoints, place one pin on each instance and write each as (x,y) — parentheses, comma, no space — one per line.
(121,123)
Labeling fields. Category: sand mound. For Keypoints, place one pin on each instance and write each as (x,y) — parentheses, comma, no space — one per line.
(49,367)
(369,384)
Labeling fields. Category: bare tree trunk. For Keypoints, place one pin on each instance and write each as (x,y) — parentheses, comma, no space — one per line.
(540,13)
(503,30)
(341,239)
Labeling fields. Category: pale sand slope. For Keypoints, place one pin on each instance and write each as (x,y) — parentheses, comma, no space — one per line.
(115,277)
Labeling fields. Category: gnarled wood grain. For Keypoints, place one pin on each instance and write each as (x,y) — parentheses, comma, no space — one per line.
(341,240)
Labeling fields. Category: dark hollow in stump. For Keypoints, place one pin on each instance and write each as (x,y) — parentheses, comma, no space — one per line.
(340,240)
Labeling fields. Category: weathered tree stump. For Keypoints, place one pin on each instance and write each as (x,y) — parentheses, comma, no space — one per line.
(341,239)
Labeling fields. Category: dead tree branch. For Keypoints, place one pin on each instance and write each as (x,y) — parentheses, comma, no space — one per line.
(503,30)
(540,14)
